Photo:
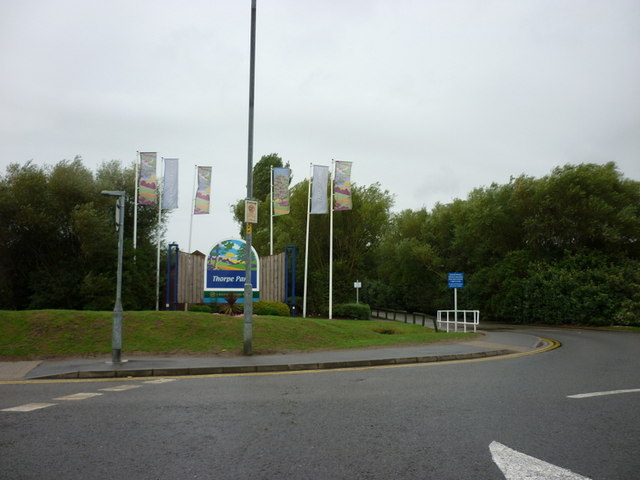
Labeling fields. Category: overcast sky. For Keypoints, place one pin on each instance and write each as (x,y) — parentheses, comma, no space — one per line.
(430,98)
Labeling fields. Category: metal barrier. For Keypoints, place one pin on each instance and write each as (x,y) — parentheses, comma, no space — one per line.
(452,317)
(402,315)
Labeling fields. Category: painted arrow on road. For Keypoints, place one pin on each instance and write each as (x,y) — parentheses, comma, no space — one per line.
(518,466)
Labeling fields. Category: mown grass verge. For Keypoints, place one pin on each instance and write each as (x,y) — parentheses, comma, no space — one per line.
(45,333)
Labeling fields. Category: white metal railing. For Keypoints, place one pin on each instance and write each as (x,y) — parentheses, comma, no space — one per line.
(458,317)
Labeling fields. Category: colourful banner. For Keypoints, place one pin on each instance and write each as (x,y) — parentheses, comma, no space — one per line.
(319,189)
(148,183)
(342,186)
(170,184)
(201,205)
(281,191)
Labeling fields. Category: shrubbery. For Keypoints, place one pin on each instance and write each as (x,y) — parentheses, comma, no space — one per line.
(236,308)
(356,311)
(271,308)
(200,308)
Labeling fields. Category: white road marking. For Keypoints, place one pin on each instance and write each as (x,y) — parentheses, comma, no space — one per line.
(78,396)
(29,407)
(161,380)
(518,466)
(599,394)
(120,388)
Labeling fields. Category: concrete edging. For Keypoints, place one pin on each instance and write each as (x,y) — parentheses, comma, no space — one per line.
(243,369)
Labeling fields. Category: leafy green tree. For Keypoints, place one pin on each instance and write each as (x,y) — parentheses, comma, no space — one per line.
(262,175)
(262,194)
(553,249)
(408,264)
(60,246)
(357,233)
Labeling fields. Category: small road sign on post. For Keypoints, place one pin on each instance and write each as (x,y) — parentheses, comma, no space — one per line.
(357,285)
(456,280)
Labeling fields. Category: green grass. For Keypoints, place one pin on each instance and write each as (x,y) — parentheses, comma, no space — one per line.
(627,328)
(45,333)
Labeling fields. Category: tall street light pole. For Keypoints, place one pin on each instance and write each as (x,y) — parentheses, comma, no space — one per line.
(116,335)
(248,289)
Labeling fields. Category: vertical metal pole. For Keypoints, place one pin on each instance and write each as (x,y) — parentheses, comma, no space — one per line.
(290,277)
(168,286)
(135,206)
(294,250)
(158,245)
(116,338)
(193,206)
(455,300)
(176,278)
(306,247)
(271,214)
(331,245)
(248,289)
(287,260)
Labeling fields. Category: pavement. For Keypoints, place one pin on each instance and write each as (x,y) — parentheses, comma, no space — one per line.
(494,342)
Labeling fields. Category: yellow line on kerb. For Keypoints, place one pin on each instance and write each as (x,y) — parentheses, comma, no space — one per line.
(552,345)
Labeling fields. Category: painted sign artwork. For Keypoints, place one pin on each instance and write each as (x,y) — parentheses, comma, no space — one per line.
(342,188)
(281,191)
(148,182)
(226,267)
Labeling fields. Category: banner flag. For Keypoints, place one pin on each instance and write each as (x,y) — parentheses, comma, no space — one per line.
(201,205)
(170,184)
(281,191)
(319,189)
(148,184)
(342,186)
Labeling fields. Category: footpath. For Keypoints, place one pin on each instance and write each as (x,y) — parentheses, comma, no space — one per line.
(491,343)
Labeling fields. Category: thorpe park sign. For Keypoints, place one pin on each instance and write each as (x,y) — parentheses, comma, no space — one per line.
(225,271)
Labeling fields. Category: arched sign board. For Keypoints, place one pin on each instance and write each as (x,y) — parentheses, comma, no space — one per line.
(225,271)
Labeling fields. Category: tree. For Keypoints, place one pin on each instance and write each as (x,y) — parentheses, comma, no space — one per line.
(262,193)
(357,233)
(59,245)
(409,265)
(551,249)
(262,175)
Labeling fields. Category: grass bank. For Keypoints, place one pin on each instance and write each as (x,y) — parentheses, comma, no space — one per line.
(44,333)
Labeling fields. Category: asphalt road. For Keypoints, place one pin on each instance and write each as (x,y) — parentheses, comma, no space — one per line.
(468,420)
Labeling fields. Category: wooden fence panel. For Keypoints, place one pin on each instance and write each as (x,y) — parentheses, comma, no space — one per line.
(272,286)
(191,277)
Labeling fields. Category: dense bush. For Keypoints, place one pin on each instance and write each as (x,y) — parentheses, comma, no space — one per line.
(271,308)
(357,311)
(562,249)
(59,245)
(199,308)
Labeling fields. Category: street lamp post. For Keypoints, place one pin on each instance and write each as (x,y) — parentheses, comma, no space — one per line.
(248,288)
(116,335)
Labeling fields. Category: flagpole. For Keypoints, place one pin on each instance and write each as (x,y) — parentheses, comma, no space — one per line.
(331,244)
(135,208)
(193,204)
(306,246)
(271,216)
(158,241)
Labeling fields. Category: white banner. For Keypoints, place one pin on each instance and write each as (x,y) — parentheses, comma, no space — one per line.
(319,189)
(170,184)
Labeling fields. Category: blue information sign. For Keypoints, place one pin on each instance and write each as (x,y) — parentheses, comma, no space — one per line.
(456,280)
